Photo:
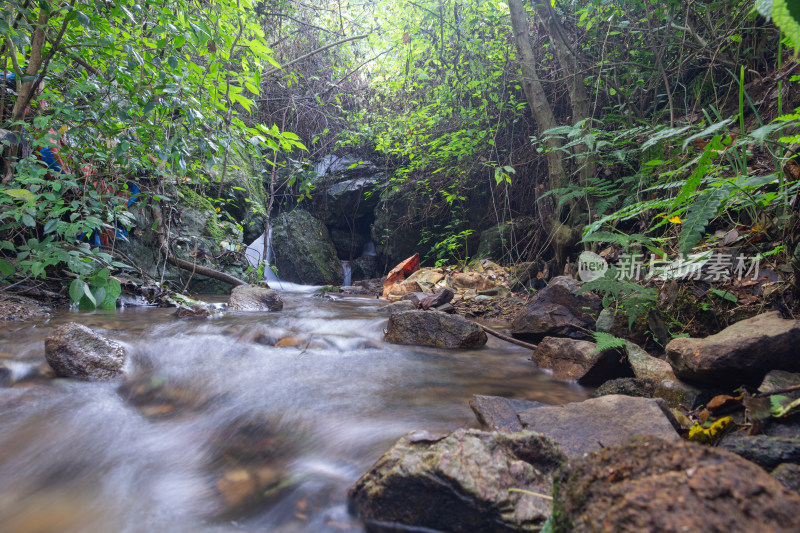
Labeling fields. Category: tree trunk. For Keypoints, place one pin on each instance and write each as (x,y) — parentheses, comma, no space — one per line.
(578,96)
(25,89)
(562,235)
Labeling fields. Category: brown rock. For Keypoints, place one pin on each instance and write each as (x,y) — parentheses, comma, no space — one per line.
(739,354)
(557,311)
(652,485)
(432,328)
(575,360)
(470,280)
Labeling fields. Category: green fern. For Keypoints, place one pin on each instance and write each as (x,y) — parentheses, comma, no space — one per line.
(629,296)
(699,215)
(606,341)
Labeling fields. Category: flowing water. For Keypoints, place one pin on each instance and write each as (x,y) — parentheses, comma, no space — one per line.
(215,429)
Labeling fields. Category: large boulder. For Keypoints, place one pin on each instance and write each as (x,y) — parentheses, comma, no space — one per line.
(303,250)
(576,360)
(397,229)
(582,427)
(75,351)
(557,311)
(253,298)
(739,354)
(653,485)
(432,328)
(461,483)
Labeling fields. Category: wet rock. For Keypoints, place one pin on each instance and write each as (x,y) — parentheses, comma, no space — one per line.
(788,475)
(576,360)
(348,244)
(75,351)
(192,312)
(13,307)
(6,377)
(253,298)
(585,426)
(625,386)
(397,307)
(740,354)
(647,367)
(557,311)
(652,485)
(460,483)
(432,328)
(766,452)
(678,394)
(303,250)
(500,414)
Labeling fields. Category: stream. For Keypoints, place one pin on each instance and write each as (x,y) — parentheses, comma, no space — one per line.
(215,429)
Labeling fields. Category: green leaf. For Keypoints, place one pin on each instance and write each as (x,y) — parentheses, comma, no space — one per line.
(113,290)
(28,220)
(76,290)
(87,293)
(6,268)
(23,194)
(101,277)
(606,341)
(725,295)
(51,225)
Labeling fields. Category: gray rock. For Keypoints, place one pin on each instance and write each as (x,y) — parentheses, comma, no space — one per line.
(303,250)
(678,394)
(557,311)
(253,298)
(647,367)
(585,426)
(397,307)
(460,483)
(740,354)
(432,328)
(788,475)
(649,484)
(766,452)
(75,351)
(576,360)
(780,379)
(626,386)
(500,414)
(605,320)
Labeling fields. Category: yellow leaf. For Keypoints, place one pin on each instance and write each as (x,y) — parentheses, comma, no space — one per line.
(676,220)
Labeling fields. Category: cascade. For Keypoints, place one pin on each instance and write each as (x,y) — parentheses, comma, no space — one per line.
(348,275)
(369,249)
(255,251)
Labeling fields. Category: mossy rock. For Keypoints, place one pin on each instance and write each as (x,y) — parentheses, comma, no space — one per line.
(304,252)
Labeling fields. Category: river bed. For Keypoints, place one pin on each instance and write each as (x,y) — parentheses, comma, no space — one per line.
(215,429)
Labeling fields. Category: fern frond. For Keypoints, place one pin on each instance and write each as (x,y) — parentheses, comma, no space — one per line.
(699,215)
(606,341)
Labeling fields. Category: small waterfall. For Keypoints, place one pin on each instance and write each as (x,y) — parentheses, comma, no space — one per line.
(255,253)
(369,249)
(348,274)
